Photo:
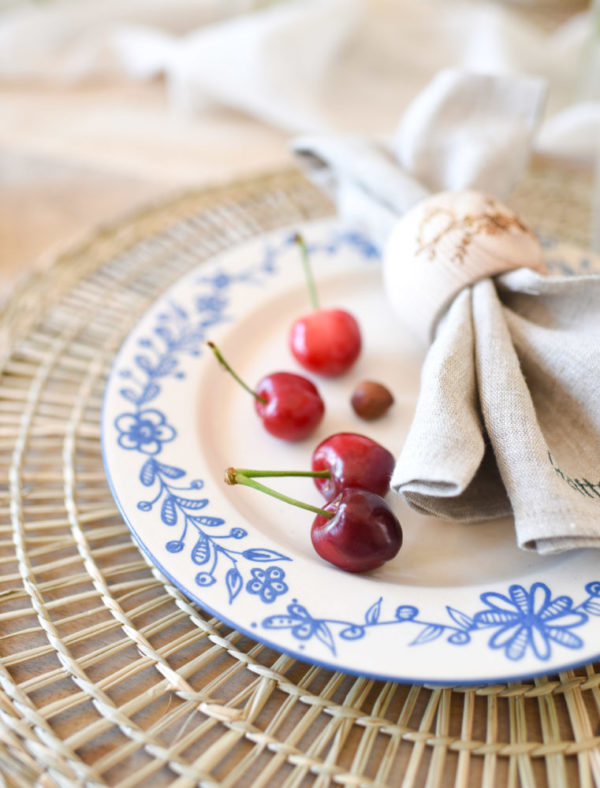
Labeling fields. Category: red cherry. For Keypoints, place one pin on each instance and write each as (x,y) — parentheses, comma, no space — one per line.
(353,460)
(289,405)
(363,533)
(326,341)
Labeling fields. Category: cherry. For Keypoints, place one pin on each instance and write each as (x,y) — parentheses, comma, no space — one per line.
(345,459)
(356,531)
(288,404)
(352,460)
(326,341)
(362,535)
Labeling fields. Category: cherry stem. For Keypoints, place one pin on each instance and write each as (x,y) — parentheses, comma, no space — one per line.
(310,280)
(253,473)
(235,476)
(234,374)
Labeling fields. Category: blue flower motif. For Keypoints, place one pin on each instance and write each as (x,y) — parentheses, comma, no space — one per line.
(530,619)
(145,431)
(267,583)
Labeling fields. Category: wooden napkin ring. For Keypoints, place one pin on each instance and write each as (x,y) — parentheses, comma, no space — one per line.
(446,243)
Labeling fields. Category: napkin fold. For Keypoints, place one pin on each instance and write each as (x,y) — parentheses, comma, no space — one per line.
(507,418)
(463,130)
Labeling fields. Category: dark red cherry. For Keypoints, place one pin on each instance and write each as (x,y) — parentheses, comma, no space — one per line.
(353,460)
(326,341)
(289,405)
(362,535)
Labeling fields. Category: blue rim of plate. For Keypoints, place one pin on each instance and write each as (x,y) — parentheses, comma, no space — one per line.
(518,619)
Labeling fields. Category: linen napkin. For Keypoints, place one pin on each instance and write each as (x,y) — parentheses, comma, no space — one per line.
(507,419)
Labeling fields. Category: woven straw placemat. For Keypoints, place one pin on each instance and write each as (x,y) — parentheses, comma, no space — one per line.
(108,675)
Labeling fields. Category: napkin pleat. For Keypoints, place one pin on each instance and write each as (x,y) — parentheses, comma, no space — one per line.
(446,467)
(507,419)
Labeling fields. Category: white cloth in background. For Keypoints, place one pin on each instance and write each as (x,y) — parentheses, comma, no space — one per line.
(267,59)
(307,65)
(463,130)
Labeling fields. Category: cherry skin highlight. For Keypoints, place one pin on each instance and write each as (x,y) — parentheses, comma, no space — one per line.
(353,460)
(362,535)
(289,405)
(326,341)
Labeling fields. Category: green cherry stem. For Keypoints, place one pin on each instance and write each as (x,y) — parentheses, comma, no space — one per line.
(235,476)
(234,375)
(310,280)
(253,474)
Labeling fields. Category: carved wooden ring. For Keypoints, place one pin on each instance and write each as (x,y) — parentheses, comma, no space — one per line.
(446,243)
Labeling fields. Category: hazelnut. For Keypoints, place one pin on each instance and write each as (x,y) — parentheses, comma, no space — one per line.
(371,400)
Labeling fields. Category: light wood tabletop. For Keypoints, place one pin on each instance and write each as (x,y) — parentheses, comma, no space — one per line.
(73,158)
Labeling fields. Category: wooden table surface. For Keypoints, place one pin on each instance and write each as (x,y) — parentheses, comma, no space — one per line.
(73,158)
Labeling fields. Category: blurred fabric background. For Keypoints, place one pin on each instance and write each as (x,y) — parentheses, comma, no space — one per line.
(108,104)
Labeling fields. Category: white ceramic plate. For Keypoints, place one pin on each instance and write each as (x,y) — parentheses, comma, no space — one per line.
(459,604)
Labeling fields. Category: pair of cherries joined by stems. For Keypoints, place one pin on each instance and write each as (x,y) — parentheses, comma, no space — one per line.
(355,530)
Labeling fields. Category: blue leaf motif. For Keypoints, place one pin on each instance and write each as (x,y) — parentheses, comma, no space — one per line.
(429,633)
(144,363)
(564,637)
(170,471)
(148,472)
(164,333)
(323,634)
(234,582)
(592,606)
(462,619)
(491,618)
(207,522)
(262,554)
(373,613)
(201,550)
(168,512)
(151,391)
(179,310)
(166,365)
(190,503)
(130,394)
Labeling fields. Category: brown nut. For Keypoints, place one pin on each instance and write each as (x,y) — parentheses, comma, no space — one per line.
(371,400)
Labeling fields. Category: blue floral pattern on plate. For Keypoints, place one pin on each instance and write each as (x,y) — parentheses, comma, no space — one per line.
(524,619)
(146,430)
(521,621)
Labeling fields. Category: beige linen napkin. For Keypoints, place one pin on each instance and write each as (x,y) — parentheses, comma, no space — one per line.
(508,416)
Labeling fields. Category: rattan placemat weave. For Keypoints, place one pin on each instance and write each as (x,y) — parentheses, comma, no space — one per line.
(108,675)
